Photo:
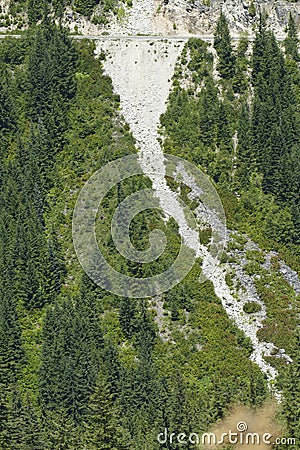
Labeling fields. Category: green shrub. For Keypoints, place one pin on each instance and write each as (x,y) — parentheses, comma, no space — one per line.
(252,268)
(99,20)
(121,13)
(255,255)
(229,280)
(252,10)
(251,307)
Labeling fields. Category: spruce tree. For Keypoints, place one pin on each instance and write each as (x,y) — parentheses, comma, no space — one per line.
(126,316)
(11,358)
(209,107)
(51,71)
(7,119)
(103,429)
(222,44)
(291,392)
(240,80)
(272,92)
(244,151)
(291,42)
(23,425)
(60,431)
(70,359)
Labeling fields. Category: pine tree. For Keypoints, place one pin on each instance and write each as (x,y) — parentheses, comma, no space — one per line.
(60,431)
(209,107)
(272,93)
(275,122)
(240,79)
(7,119)
(23,425)
(222,44)
(112,368)
(70,359)
(11,357)
(245,163)
(103,429)
(126,316)
(291,42)
(52,64)
(54,270)
(178,411)
(291,392)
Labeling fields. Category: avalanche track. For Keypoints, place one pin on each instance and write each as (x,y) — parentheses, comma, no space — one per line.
(141,72)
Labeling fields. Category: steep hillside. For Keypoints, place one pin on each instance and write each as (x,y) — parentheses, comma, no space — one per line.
(83,367)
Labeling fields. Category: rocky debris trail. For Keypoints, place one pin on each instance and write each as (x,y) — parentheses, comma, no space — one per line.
(160,319)
(233,302)
(290,275)
(141,73)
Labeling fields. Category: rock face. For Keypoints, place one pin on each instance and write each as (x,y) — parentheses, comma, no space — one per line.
(165,17)
(184,17)
(200,16)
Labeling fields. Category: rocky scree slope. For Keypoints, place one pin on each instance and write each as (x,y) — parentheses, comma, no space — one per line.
(141,73)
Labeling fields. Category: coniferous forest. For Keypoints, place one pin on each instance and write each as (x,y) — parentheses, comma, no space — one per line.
(81,368)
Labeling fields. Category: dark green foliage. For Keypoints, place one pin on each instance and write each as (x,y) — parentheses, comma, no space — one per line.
(35,11)
(59,7)
(51,82)
(144,330)
(70,358)
(240,81)
(24,427)
(13,51)
(36,273)
(251,307)
(102,427)
(60,432)
(85,7)
(275,123)
(222,44)
(245,157)
(209,113)
(11,349)
(291,41)
(200,59)
(247,144)
(11,352)
(127,312)
(291,389)
(7,119)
